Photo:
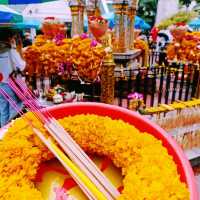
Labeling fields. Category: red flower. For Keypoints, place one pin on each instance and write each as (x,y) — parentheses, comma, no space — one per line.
(189,37)
(97,19)
(180,24)
(49,18)
(1,77)
(92,18)
(154,33)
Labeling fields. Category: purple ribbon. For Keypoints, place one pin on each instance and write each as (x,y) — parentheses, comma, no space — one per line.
(93,43)
(84,36)
(136,96)
(59,39)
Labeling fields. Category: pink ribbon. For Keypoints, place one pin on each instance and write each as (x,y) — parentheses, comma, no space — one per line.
(61,194)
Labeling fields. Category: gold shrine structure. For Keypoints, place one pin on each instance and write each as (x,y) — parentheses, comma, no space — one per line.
(122,45)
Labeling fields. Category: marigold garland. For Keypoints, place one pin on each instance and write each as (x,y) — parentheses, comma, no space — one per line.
(45,57)
(142,45)
(148,174)
(187,49)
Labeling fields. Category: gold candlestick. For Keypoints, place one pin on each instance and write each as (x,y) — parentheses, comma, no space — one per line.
(107,79)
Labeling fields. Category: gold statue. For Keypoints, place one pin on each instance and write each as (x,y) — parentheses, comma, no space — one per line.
(107,39)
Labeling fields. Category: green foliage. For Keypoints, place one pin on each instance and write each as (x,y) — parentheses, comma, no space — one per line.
(147,10)
(179,17)
(197,9)
(187,2)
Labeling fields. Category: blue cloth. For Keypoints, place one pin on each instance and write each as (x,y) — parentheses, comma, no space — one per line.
(195,23)
(8,15)
(27,24)
(27,1)
(24,1)
(139,22)
(5,17)
(7,112)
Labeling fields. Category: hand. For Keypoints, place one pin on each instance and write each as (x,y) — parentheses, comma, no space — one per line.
(13,43)
(19,42)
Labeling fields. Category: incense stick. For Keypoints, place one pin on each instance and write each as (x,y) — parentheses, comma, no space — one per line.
(54,128)
(84,183)
(71,168)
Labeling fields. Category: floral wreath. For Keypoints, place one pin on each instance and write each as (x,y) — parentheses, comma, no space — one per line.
(143,160)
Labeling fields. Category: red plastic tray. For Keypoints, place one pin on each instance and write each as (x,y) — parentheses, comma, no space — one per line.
(115,112)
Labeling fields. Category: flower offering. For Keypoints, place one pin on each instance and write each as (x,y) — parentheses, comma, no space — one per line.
(45,57)
(143,160)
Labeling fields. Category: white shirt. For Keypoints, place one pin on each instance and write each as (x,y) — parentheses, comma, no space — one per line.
(10,61)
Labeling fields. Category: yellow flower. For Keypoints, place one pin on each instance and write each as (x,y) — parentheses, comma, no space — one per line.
(149,171)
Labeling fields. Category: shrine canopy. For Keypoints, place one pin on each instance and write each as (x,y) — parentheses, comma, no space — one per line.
(27,24)
(57,9)
(7,2)
(8,15)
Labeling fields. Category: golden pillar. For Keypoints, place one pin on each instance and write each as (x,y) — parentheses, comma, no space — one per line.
(131,19)
(121,26)
(108,79)
(81,16)
(77,11)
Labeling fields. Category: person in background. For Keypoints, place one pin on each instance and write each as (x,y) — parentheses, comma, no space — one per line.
(10,61)
(27,40)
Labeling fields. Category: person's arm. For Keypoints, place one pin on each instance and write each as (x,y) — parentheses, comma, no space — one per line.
(19,50)
(17,60)
(19,46)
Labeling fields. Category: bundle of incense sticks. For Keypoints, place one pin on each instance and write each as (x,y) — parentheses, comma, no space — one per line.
(70,147)
(82,180)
